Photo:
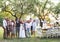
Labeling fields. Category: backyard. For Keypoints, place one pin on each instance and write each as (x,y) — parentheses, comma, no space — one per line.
(40,15)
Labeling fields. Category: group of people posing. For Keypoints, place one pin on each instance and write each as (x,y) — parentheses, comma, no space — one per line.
(18,28)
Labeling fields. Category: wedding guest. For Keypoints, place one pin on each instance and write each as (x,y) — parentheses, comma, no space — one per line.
(13,29)
(4,27)
(17,27)
(31,20)
(34,26)
(28,28)
(8,28)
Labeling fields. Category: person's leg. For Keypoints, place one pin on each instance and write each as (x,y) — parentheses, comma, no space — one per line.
(27,32)
(16,31)
(34,31)
(12,35)
(31,30)
(4,34)
(8,33)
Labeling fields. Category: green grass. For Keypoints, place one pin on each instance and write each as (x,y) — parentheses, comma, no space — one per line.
(1,32)
(27,39)
(30,40)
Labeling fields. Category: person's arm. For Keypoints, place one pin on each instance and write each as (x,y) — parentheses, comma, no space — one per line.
(4,24)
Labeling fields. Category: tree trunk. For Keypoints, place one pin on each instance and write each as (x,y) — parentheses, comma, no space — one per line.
(41,23)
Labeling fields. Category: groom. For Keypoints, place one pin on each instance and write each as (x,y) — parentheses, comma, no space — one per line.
(17,27)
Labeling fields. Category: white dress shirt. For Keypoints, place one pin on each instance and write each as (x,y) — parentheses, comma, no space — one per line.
(4,23)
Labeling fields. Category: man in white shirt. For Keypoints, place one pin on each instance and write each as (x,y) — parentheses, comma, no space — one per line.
(4,27)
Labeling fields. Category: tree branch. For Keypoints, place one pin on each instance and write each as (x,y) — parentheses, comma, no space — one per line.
(44,6)
(10,13)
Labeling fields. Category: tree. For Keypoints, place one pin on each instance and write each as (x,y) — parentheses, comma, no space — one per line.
(20,6)
(41,7)
(56,10)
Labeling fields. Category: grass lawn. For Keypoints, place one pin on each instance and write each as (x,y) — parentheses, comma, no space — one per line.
(27,39)
(30,40)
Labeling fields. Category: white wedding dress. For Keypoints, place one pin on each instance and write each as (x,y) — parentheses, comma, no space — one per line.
(22,31)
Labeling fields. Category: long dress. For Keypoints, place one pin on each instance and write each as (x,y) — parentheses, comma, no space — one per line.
(22,31)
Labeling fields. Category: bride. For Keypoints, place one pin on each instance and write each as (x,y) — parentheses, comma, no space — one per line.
(22,31)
